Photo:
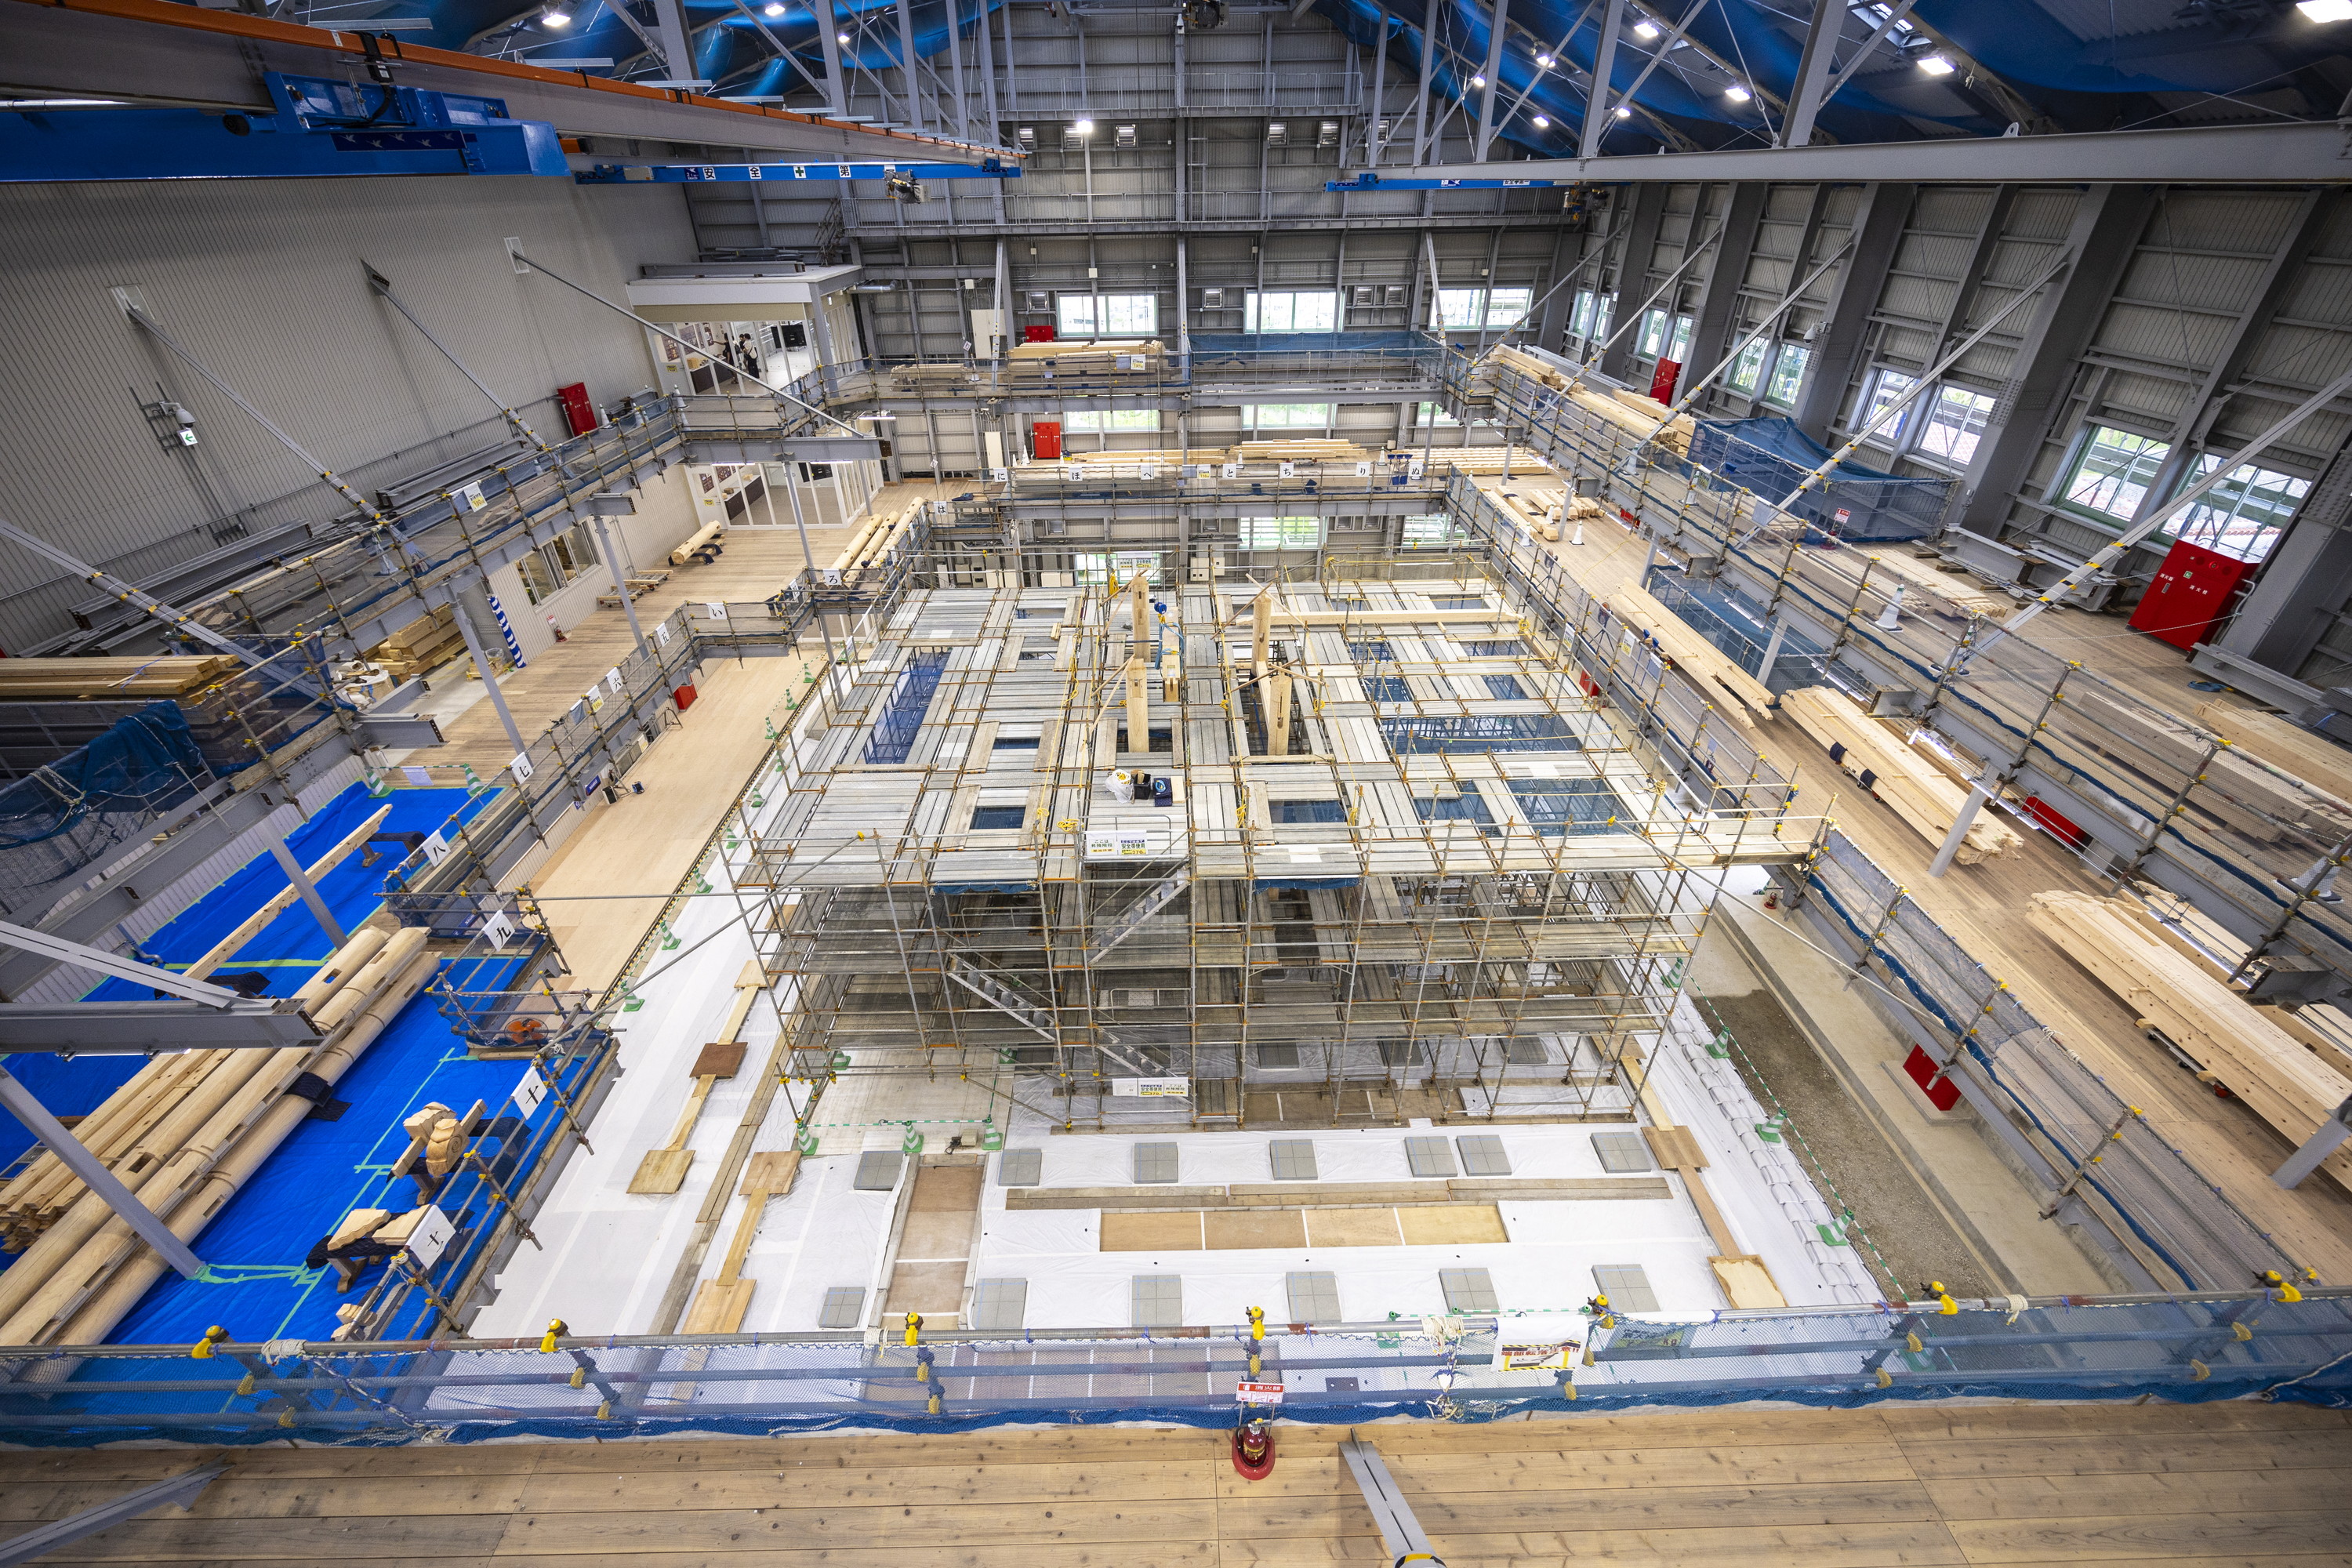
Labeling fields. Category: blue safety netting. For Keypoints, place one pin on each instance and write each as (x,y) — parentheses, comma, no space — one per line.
(55,820)
(902,716)
(1772,457)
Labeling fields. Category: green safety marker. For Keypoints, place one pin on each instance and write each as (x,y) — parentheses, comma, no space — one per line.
(758,800)
(807,1145)
(1719,1047)
(1832,1234)
(670,937)
(840,1060)
(991,1138)
(913,1144)
(701,883)
(768,725)
(631,1002)
(1767,1131)
(376,785)
(474,785)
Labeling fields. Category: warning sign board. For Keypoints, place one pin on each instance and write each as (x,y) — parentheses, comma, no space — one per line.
(1258,1393)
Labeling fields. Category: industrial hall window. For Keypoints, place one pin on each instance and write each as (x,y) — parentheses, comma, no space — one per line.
(1747,371)
(1288,415)
(1108,421)
(2110,472)
(1477,309)
(1589,319)
(2244,514)
(1106,315)
(1281,532)
(558,562)
(1315,311)
(1656,341)
(1956,422)
(1885,387)
(1788,373)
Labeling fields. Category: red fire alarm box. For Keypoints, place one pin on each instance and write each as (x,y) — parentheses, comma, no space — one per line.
(578,412)
(1045,435)
(1038,333)
(2192,592)
(1662,380)
(684,697)
(1921,1069)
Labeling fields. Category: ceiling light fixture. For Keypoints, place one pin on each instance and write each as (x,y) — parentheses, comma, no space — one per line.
(1736,93)
(1623,112)
(1541,123)
(1543,62)
(1084,127)
(556,16)
(1937,65)
(775,7)
(1645,30)
(2325,10)
(841,38)
(1477,82)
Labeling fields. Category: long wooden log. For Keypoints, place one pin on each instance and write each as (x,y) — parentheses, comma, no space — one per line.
(253,924)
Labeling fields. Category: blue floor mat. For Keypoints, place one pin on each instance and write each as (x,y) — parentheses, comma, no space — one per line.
(255,1285)
(287,949)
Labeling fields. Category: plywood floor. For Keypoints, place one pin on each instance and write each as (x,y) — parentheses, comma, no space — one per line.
(2247,1485)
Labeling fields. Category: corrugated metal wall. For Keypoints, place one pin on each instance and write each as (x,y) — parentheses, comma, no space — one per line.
(264,281)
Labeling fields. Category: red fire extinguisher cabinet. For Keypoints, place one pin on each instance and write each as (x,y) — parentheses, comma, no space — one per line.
(2193,593)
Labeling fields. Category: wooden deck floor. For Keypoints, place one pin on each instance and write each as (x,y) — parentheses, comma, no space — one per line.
(2249,1485)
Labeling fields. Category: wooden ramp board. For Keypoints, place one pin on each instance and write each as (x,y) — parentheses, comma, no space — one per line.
(663,1170)
(1746,1282)
(719,1304)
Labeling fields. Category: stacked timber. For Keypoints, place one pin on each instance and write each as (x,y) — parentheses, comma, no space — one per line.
(148,1118)
(1537,515)
(2313,758)
(875,539)
(1927,799)
(75,1283)
(1675,437)
(1737,692)
(701,539)
(2232,785)
(62,679)
(1303,449)
(1529,366)
(1091,358)
(2230,1041)
(420,645)
(1490,459)
(1920,577)
(933,377)
(1170,457)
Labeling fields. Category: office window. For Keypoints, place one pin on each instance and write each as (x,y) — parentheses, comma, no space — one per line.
(1281,532)
(1106,315)
(1281,1057)
(1788,373)
(1292,1159)
(1429,1156)
(1626,1285)
(1955,423)
(1288,415)
(1020,1167)
(877,1171)
(999,1304)
(1098,569)
(1314,1297)
(985,817)
(557,563)
(2243,515)
(2112,471)
(1301,312)
(1622,1152)
(1155,1163)
(1467,1290)
(1158,1300)
(1884,387)
(1748,370)
(1507,687)
(1482,1156)
(1434,527)
(1108,421)
(844,1305)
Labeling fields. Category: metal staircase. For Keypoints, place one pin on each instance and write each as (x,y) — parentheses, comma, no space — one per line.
(998,992)
(1130,920)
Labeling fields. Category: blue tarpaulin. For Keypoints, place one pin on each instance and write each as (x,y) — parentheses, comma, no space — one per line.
(1772,457)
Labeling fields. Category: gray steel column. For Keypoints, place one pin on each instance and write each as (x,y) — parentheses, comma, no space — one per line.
(1812,74)
(828,39)
(308,889)
(907,65)
(1597,100)
(1845,325)
(1428,68)
(2107,225)
(22,1104)
(1718,304)
(620,584)
(1633,274)
(482,668)
(677,43)
(1003,301)
(2306,579)
(1496,29)
(2317,1147)
(1184,311)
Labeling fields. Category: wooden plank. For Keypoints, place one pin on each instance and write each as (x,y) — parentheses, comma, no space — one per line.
(2104,1454)
(862,1486)
(1450,1516)
(2071,1497)
(733,1530)
(1920,794)
(1151,1232)
(1747,1282)
(2154,1538)
(1916,1544)
(1353,1227)
(1451,1224)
